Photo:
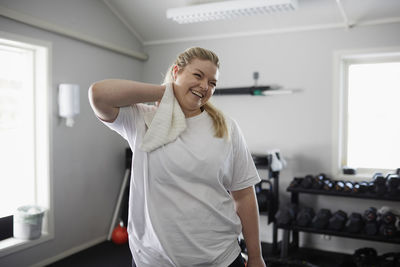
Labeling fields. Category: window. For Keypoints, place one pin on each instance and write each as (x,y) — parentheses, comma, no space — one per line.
(368,115)
(24,131)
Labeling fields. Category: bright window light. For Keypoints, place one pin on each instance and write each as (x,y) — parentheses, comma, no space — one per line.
(17,179)
(373,128)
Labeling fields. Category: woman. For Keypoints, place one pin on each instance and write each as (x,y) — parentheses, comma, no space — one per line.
(192,197)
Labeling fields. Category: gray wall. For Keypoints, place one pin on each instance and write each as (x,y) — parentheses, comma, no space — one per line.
(88,158)
(299,124)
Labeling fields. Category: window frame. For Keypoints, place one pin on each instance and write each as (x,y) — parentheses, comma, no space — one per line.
(342,60)
(43,137)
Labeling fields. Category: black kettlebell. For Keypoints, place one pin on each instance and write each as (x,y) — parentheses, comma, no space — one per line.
(264,196)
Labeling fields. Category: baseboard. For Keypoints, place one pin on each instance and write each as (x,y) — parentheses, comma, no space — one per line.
(71,251)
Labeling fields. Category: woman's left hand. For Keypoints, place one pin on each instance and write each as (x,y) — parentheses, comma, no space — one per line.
(257,262)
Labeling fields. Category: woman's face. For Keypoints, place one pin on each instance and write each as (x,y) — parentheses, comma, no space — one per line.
(194,85)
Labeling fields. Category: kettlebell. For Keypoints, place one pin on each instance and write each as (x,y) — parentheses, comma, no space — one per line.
(120,234)
(264,196)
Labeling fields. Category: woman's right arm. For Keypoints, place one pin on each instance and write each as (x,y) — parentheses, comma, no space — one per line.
(107,96)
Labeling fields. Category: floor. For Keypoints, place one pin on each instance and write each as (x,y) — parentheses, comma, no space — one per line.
(105,254)
(109,254)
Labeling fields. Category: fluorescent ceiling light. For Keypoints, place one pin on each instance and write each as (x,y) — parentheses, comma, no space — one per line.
(228,9)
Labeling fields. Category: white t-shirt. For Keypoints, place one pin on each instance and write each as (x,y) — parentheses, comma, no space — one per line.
(180,212)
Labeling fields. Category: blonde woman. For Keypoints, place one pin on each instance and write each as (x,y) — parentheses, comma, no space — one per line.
(192,197)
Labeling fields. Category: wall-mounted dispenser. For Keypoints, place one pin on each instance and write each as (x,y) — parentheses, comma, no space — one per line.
(68,102)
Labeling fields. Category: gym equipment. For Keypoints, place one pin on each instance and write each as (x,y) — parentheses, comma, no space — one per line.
(286,215)
(305,216)
(339,186)
(318,181)
(321,220)
(348,187)
(265,197)
(364,257)
(393,184)
(120,234)
(371,228)
(371,214)
(360,188)
(328,185)
(274,162)
(337,221)
(296,182)
(307,182)
(388,218)
(387,230)
(390,259)
(379,184)
(370,218)
(354,223)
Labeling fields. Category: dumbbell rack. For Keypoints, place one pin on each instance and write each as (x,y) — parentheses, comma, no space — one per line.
(296,229)
(262,162)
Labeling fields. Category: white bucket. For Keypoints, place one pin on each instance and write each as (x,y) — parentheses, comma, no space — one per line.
(28,222)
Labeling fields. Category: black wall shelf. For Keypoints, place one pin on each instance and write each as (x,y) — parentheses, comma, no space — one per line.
(251,90)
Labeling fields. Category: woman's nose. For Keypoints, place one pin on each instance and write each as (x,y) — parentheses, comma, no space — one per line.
(204,84)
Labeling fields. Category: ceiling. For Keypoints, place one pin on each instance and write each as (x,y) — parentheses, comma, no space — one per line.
(147,20)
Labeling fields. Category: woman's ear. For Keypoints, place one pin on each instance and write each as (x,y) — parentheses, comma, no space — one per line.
(175,70)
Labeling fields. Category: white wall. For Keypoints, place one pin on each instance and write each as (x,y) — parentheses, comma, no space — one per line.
(89,158)
(299,124)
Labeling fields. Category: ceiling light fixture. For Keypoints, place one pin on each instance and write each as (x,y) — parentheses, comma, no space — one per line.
(228,9)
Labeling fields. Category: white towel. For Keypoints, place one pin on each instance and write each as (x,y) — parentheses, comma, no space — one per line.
(165,123)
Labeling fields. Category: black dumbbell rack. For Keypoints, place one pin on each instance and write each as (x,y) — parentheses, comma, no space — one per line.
(294,229)
(262,162)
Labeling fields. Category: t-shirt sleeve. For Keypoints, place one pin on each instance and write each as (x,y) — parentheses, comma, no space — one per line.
(127,120)
(244,171)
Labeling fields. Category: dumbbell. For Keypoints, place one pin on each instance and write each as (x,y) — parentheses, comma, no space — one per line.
(348,187)
(337,221)
(379,184)
(359,188)
(387,224)
(328,185)
(365,257)
(354,223)
(264,196)
(286,215)
(305,216)
(370,218)
(318,181)
(296,182)
(393,184)
(387,230)
(390,259)
(339,186)
(307,182)
(321,219)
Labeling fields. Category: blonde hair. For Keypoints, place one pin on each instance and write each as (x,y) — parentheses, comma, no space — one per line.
(183,59)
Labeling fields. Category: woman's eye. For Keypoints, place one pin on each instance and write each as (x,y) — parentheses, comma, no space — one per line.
(213,84)
(197,75)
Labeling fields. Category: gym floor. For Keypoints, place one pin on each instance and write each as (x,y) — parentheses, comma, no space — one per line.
(109,254)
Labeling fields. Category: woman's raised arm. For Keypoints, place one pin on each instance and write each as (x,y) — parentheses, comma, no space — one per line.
(107,96)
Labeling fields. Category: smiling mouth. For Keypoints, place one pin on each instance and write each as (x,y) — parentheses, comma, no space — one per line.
(197,93)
